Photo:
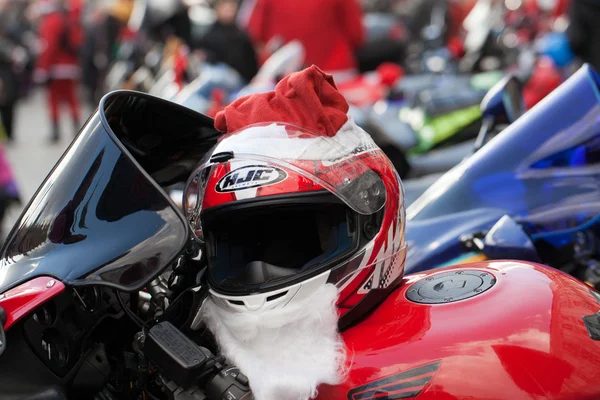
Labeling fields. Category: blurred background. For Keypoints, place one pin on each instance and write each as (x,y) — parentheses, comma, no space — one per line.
(413,71)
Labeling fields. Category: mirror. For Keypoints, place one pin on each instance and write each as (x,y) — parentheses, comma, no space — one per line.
(504,101)
(507,240)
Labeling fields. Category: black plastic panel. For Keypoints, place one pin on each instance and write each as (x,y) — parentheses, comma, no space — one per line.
(23,375)
(592,324)
(56,330)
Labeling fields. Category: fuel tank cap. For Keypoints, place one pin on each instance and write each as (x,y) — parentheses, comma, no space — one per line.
(450,286)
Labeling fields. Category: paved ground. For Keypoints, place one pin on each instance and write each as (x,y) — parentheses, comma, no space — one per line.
(31,154)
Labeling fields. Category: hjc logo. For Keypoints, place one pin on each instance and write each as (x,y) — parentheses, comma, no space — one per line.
(250,176)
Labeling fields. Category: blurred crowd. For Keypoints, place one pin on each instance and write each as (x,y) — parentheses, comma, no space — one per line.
(78,50)
(60,43)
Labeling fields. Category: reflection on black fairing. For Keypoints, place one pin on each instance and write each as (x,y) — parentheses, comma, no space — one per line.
(98,218)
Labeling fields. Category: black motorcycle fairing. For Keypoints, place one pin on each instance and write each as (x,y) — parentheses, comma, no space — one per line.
(100,217)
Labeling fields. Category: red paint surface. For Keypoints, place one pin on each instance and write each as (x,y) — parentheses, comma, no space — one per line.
(522,339)
(22,299)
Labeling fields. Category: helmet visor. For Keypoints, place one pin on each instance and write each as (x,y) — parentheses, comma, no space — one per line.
(261,247)
(343,165)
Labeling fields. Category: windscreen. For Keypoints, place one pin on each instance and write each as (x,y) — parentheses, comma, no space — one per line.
(101,216)
(167,140)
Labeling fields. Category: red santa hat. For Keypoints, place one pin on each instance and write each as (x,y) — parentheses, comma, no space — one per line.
(308,98)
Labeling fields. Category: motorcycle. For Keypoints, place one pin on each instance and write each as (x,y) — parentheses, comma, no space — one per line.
(434,122)
(439,113)
(447,157)
(436,107)
(154,55)
(425,113)
(101,249)
(530,193)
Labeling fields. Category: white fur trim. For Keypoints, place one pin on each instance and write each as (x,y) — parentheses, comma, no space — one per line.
(272,140)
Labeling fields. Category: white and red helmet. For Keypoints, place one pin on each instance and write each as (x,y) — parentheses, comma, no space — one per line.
(284,208)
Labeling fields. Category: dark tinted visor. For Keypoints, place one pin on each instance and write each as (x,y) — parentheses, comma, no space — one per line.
(259,248)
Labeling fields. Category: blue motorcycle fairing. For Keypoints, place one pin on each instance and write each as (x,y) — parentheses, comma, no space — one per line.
(508,240)
(434,241)
(506,173)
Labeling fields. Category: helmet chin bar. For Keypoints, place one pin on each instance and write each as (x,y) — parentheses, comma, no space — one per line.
(259,272)
(271,300)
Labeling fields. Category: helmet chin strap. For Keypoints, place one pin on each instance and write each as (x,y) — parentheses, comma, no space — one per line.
(259,272)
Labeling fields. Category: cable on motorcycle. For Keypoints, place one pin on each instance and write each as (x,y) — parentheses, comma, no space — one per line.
(137,320)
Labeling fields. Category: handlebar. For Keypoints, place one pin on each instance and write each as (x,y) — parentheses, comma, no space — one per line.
(191,372)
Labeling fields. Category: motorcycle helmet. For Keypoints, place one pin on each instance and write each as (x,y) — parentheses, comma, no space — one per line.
(283,208)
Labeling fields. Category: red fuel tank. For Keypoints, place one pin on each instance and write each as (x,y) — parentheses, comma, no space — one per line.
(489,330)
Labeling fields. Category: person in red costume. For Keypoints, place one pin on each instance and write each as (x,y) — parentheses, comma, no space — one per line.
(57,67)
(330,30)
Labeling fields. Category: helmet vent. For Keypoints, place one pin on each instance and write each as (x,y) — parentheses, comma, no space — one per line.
(237,302)
(276,296)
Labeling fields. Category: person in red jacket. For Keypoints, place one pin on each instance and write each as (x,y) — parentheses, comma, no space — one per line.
(330,30)
(57,66)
